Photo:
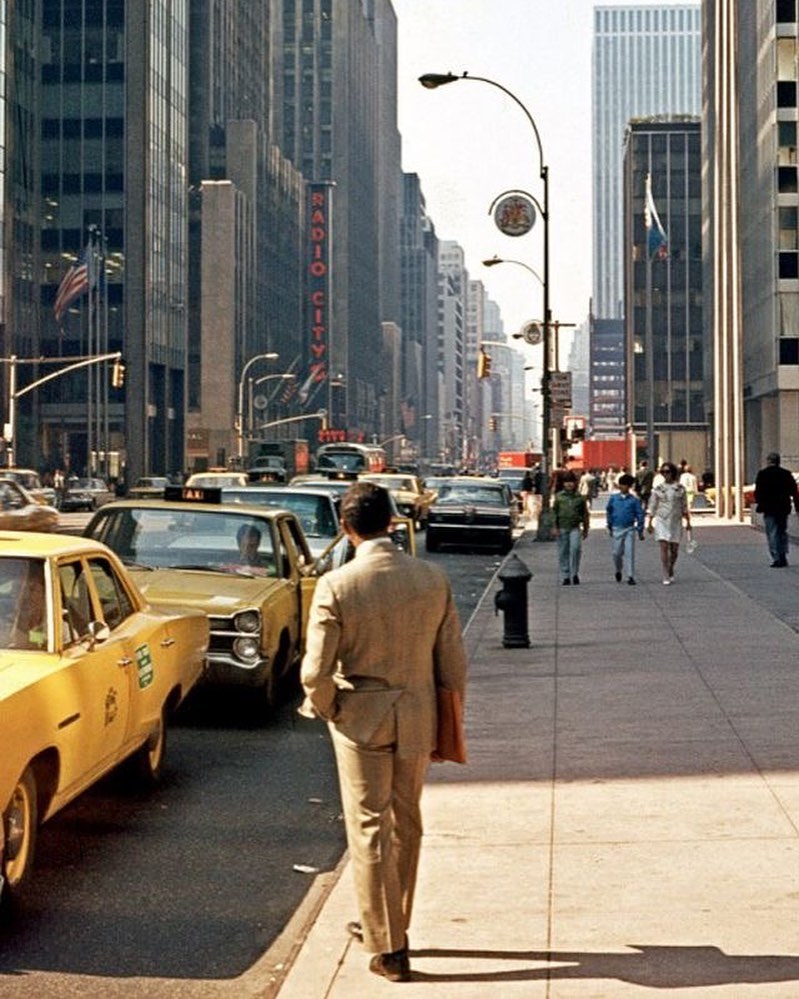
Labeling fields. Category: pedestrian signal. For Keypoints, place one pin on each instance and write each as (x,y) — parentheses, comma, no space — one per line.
(118,374)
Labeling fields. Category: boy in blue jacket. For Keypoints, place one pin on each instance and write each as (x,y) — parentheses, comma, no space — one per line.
(625,519)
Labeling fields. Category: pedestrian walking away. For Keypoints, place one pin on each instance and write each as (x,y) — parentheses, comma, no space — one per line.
(585,486)
(643,482)
(690,484)
(625,520)
(668,508)
(527,493)
(383,633)
(775,492)
(571,518)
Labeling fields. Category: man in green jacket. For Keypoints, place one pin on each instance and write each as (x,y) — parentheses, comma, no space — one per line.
(571,519)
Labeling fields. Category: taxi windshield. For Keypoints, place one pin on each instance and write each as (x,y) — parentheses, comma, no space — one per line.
(23,604)
(315,513)
(187,538)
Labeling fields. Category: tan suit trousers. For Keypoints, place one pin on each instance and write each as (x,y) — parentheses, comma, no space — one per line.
(380,794)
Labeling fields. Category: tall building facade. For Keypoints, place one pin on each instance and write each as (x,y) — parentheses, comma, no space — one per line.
(453,304)
(646,61)
(765,57)
(664,332)
(418,312)
(252,290)
(113,107)
(338,69)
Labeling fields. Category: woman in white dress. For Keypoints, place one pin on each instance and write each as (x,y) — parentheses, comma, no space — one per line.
(668,507)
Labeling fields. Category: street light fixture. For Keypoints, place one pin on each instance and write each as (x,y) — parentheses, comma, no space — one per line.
(251,382)
(431,81)
(271,356)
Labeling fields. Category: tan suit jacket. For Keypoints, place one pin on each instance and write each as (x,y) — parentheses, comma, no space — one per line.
(382,630)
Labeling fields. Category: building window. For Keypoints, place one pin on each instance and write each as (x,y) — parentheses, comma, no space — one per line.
(786,11)
(786,180)
(789,223)
(789,350)
(787,142)
(786,94)
(789,265)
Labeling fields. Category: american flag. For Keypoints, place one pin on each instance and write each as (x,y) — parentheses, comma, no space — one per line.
(75,282)
(657,242)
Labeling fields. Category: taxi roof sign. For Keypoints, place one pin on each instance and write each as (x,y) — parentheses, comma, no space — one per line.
(193,494)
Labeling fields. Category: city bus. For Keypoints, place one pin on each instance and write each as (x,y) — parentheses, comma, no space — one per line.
(348,457)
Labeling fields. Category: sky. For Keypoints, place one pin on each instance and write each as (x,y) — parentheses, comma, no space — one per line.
(469,142)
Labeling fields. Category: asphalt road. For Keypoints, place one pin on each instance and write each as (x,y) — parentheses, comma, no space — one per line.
(181,892)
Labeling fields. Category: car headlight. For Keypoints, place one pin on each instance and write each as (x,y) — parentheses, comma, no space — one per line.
(248,622)
(246,649)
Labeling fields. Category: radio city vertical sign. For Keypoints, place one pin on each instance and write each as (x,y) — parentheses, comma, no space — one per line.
(318,283)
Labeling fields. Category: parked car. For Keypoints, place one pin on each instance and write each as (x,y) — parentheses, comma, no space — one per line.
(85,494)
(19,511)
(90,677)
(31,481)
(472,511)
(148,487)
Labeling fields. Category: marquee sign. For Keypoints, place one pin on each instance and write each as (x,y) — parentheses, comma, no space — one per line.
(318,283)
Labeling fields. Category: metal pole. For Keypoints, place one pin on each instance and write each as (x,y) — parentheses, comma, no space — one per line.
(12,410)
(543,520)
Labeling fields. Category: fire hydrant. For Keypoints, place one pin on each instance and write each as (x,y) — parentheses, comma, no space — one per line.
(512,601)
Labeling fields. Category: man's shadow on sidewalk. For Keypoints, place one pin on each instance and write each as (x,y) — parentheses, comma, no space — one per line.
(653,966)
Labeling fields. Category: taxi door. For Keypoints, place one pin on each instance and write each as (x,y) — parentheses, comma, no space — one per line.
(93,699)
(145,647)
(295,549)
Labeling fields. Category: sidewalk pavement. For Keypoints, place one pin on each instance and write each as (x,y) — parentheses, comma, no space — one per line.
(628,821)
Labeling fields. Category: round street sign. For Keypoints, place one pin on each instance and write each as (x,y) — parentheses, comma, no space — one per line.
(533,333)
(259,402)
(514,215)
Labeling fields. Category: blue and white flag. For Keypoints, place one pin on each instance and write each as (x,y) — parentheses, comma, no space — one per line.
(657,242)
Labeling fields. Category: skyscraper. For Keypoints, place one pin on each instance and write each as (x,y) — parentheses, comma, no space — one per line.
(339,128)
(114,155)
(752,247)
(646,61)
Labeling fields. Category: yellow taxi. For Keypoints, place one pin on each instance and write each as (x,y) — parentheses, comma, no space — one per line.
(413,499)
(249,568)
(89,676)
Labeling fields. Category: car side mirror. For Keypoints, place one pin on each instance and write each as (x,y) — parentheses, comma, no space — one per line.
(97,633)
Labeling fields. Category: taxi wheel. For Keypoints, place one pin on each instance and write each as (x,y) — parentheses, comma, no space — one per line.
(20,821)
(148,762)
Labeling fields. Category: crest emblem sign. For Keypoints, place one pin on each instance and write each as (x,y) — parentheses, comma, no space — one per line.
(514,215)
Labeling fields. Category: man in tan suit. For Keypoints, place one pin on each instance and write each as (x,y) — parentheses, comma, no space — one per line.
(383,631)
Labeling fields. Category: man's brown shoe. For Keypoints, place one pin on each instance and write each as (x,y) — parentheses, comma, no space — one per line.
(396,966)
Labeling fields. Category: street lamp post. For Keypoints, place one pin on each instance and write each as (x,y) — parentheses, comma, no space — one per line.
(254,382)
(431,81)
(271,356)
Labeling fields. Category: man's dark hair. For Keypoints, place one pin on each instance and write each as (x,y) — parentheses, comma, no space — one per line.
(626,480)
(366,508)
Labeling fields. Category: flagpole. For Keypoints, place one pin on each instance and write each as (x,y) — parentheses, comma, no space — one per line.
(90,373)
(102,285)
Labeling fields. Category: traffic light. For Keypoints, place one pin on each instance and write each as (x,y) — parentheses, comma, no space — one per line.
(483,365)
(118,374)
(492,423)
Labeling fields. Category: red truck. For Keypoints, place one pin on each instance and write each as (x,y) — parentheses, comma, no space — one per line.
(611,453)
(518,459)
